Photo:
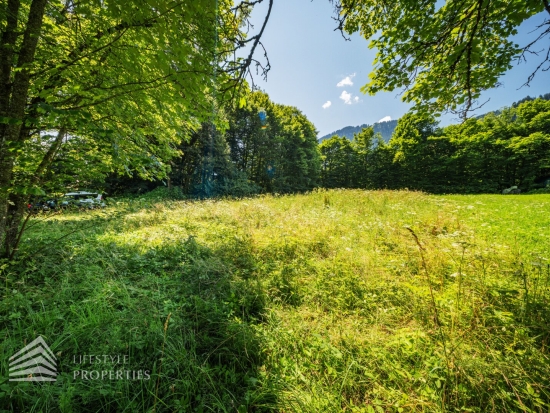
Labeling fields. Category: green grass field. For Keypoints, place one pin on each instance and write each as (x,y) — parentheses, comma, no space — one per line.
(333,301)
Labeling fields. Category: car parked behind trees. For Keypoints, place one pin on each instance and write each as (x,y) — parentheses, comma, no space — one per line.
(83,199)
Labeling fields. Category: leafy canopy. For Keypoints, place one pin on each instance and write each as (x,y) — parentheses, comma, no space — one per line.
(442,55)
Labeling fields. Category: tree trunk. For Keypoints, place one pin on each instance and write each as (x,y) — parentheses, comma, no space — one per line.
(18,203)
(7,46)
(14,106)
(15,214)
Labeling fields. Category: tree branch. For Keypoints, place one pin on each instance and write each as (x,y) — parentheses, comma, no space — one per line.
(244,66)
(47,160)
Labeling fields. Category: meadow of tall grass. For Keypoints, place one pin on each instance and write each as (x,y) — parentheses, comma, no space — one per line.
(341,300)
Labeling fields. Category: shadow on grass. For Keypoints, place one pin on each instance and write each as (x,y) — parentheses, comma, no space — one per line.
(182,314)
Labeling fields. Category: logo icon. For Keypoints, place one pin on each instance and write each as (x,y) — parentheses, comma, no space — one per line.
(35,362)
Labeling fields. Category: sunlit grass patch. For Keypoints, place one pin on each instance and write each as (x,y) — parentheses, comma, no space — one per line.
(337,300)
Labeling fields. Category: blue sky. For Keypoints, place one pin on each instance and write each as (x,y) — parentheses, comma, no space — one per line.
(309,59)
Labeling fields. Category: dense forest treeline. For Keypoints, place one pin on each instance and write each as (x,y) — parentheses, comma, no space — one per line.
(507,148)
(278,154)
(486,155)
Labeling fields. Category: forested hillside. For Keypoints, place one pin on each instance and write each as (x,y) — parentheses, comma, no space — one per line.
(478,156)
(527,98)
(384,128)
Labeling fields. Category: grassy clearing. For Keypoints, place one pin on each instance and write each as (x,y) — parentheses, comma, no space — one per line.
(309,303)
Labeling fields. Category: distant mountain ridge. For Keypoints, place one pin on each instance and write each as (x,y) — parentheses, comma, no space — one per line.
(384,128)
(516,104)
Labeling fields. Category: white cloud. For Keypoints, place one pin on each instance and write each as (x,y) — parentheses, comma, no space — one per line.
(349,99)
(327,104)
(385,119)
(346,81)
(346,97)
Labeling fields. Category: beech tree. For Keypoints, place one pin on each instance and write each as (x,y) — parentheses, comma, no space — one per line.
(127,78)
(443,55)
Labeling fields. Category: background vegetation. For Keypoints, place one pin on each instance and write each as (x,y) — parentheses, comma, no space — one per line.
(487,154)
(482,155)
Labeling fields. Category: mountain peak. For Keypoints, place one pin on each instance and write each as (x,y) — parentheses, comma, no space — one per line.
(385,127)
